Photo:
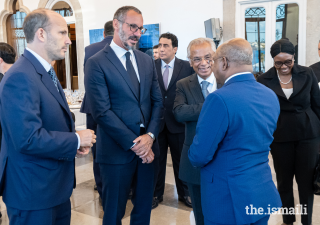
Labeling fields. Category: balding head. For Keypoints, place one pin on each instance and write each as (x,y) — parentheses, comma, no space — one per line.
(234,56)
(237,50)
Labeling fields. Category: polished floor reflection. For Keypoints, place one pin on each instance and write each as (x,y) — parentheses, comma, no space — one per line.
(86,209)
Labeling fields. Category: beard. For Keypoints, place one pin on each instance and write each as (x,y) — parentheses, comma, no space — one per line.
(53,50)
(124,39)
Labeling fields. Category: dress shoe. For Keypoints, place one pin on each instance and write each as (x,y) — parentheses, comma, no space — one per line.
(155,203)
(160,199)
(95,187)
(186,200)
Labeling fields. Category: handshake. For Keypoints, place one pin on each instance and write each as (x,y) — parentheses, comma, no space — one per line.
(87,139)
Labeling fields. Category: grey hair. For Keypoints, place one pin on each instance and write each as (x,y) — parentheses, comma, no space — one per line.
(38,18)
(236,53)
(200,41)
(121,13)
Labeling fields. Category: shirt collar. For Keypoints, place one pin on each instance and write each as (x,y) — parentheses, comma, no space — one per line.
(47,66)
(120,52)
(211,79)
(234,75)
(170,64)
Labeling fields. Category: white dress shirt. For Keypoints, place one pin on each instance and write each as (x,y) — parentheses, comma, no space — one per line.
(171,67)
(212,83)
(47,66)
(120,53)
(234,75)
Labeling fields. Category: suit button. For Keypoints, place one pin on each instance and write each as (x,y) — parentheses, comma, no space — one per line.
(165,97)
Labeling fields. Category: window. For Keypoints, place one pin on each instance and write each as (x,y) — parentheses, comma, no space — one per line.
(15,34)
(63,9)
(255,35)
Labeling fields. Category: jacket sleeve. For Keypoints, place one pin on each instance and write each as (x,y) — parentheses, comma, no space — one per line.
(98,94)
(315,94)
(184,112)
(156,104)
(211,129)
(20,115)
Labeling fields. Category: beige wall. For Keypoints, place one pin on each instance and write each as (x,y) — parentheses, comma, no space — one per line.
(229,13)
(313,31)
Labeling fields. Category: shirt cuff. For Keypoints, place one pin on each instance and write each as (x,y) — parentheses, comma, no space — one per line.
(78,140)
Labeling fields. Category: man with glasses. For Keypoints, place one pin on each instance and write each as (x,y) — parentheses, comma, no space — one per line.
(125,98)
(170,69)
(191,93)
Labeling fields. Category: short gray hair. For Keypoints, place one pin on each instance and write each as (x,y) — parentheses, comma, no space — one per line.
(236,53)
(38,18)
(200,41)
(121,13)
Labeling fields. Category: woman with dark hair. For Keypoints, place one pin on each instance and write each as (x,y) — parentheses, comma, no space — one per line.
(297,137)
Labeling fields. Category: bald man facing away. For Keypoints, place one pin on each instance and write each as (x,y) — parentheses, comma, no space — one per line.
(232,140)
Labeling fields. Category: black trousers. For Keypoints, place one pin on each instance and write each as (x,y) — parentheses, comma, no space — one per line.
(117,180)
(91,124)
(299,159)
(195,195)
(175,142)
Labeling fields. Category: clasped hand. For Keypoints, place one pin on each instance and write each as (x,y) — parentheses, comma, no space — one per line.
(87,139)
(142,148)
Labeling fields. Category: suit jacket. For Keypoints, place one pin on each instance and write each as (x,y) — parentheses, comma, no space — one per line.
(90,51)
(117,108)
(316,69)
(231,146)
(39,141)
(1,76)
(181,70)
(299,116)
(186,109)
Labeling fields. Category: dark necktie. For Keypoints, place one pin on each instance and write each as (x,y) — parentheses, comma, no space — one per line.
(132,74)
(54,78)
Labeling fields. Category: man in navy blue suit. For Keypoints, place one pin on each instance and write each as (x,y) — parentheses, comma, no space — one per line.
(91,124)
(39,145)
(125,100)
(231,145)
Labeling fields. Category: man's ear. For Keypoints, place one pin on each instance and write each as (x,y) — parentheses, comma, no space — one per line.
(225,64)
(41,35)
(116,24)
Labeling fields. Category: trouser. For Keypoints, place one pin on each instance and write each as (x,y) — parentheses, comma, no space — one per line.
(263,221)
(299,159)
(58,215)
(195,195)
(91,124)
(175,142)
(117,179)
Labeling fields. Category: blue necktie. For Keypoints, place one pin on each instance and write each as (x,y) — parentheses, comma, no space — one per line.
(54,78)
(132,74)
(204,88)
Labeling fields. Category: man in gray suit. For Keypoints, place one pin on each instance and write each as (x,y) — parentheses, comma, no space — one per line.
(190,95)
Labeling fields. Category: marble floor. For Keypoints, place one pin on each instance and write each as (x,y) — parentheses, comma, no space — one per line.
(86,209)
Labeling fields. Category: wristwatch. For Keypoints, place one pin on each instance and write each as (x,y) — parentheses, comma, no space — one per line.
(151,135)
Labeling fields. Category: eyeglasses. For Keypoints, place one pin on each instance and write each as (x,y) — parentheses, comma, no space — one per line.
(199,60)
(288,63)
(134,28)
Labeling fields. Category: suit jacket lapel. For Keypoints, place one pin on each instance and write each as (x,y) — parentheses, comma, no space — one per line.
(196,89)
(45,78)
(118,65)
(176,70)
(141,74)
(298,80)
(274,83)
(66,103)
(159,72)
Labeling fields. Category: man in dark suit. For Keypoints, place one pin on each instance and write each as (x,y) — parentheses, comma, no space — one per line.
(37,158)
(85,108)
(316,67)
(190,95)
(170,69)
(125,100)
(7,58)
(232,140)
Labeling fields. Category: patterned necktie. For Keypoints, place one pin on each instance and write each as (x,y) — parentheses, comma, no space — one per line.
(54,78)
(165,76)
(132,73)
(204,88)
